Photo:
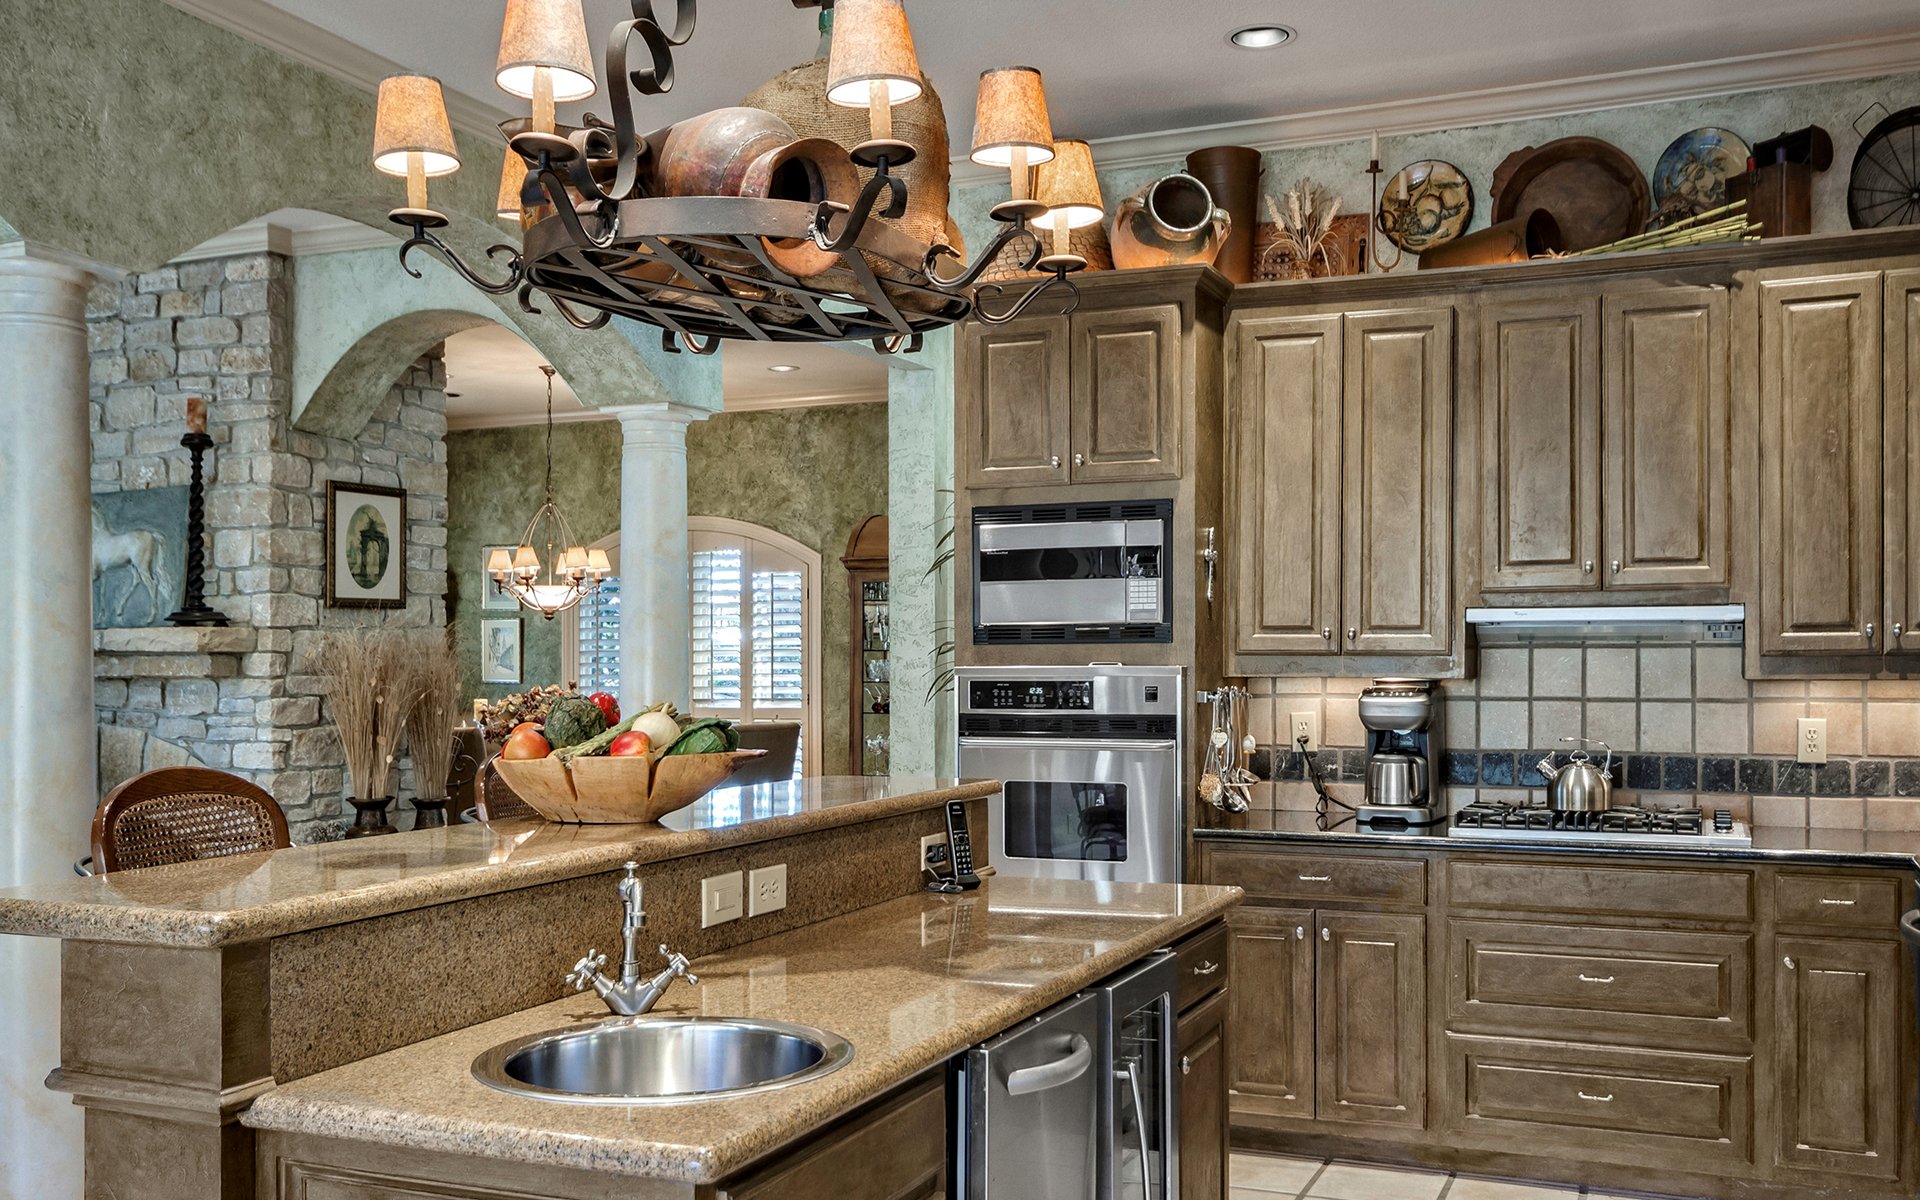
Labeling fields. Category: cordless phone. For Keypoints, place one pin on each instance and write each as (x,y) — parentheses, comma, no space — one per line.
(959,852)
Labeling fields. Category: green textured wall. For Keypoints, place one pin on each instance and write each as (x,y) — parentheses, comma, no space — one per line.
(810,473)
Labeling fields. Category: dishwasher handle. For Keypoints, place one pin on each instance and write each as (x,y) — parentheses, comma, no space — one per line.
(1028,1080)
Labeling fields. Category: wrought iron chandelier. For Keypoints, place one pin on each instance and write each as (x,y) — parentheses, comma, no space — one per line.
(569,573)
(602,236)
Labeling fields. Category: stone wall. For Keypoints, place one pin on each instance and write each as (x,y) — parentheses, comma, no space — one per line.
(219,328)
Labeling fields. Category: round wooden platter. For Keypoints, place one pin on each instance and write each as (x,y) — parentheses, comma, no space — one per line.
(619,791)
(1594,190)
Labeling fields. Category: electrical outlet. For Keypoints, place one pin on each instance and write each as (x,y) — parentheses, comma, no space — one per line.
(1812,739)
(767,890)
(933,850)
(722,899)
(1303,724)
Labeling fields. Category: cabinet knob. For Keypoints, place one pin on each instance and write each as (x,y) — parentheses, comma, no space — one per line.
(1079,460)
(1326,934)
(1326,633)
(1789,961)
(1899,630)
(1351,631)
(1300,931)
(1614,566)
(1869,631)
(1054,461)
(1186,1065)
(1586,568)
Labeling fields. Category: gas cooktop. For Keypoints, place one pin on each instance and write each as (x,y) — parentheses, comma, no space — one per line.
(1617,826)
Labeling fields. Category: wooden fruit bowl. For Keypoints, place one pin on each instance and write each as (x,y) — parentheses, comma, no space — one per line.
(618,791)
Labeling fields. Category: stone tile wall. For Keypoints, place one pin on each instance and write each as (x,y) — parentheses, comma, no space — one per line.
(1687,726)
(220,328)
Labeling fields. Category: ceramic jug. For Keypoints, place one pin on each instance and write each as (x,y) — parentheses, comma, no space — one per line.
(1170,221)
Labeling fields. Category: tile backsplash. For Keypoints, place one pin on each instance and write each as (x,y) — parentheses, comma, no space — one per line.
(1685,725)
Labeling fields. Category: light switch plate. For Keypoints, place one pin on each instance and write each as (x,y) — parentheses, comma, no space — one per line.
(1307,723)
(767,890)
(722,899)
(1811,738)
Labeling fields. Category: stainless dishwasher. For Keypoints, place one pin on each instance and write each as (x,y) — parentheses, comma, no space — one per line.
(1076,1103)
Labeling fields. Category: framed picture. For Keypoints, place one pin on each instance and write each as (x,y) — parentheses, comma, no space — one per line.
(500,650)
(366,546)
(492,598)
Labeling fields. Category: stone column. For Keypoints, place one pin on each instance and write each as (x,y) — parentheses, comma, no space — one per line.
(46,682)
(655,622)
(920,494)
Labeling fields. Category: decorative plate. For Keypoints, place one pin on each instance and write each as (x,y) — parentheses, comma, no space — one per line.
(1427,204)
(1691,176)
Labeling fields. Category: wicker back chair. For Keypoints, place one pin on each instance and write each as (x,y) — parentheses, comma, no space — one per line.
(497,801)
(181,814)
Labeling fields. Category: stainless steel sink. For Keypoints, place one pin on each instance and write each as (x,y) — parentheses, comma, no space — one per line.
(661,1060)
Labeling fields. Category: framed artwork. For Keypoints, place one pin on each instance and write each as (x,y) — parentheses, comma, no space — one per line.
(492,599)
(366,546)
(500,650)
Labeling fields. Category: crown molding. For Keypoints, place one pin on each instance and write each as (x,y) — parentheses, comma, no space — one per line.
(329,53)
(1857,59)
(463,424)
(808,400)
(263,236)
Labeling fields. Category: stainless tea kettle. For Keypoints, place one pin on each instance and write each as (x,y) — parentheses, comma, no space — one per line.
(1581,785)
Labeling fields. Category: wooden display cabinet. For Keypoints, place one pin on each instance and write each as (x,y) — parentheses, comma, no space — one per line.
(869,638)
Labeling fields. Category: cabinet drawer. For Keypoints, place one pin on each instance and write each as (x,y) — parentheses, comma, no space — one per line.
(1636,1106)
(896,1151)
(1687,893)
(1322,876)
(1202,963)
(1653,987)
(1855,902)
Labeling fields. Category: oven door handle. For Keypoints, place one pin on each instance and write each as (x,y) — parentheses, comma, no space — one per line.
(1046,1076)
(1052,743)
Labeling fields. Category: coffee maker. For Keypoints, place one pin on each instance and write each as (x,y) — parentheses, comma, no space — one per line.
(1402,719)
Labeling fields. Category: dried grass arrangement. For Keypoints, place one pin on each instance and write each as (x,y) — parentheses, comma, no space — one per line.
(435,714)
(1305,223)
(371,687)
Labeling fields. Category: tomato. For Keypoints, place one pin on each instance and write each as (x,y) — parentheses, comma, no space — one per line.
(524,743)
(630,744)
(533,725)
(608,706)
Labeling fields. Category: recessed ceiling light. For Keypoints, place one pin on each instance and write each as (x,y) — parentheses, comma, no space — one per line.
(1260,37)
(783,368)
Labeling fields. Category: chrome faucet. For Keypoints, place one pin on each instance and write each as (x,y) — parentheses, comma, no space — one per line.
(631,996)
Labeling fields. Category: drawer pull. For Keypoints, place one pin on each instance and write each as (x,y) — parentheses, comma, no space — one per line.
(1207,969)
(1841,903)
(1316,879)
(1596,979)
(1606,1099)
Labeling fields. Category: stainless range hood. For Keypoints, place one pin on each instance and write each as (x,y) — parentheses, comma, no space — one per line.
(1720,623)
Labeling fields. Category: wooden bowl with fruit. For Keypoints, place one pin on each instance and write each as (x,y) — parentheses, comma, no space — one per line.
(632,772)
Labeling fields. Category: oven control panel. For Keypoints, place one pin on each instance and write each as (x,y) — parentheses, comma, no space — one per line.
(1018,695)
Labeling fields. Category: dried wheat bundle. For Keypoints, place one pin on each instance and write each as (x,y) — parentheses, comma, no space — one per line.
(371,689)
(1305,225)
(438,710)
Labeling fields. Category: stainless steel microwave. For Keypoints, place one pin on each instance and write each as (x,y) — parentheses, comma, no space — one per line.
(1073,573)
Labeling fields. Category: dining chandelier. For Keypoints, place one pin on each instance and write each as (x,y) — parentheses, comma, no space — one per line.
(569,573)
(796,248)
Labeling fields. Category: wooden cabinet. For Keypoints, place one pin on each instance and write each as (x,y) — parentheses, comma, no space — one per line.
(1820,464)
(1604,430)
(1901,350)
(1840,1105)
(1342,506)
(1091,398)
(1202,1051)
(1271,1012)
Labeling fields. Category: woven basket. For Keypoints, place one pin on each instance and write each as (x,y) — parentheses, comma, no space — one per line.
(1089,242)
(1346,244)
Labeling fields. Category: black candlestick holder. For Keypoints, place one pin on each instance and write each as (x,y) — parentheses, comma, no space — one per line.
(193,607)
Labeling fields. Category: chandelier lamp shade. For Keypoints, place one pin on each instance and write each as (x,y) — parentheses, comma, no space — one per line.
(1070,190)
(568,573)
(606,232)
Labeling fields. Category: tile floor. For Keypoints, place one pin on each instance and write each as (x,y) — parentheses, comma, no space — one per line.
(1273,1176)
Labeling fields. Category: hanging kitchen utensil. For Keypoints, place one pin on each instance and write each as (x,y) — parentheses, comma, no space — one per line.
(1225,782)
(1883,189)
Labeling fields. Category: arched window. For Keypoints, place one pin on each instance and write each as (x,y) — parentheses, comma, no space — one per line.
(754,596)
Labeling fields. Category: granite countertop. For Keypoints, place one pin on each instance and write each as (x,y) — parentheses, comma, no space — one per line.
(909,983)
(250,897)
(1771,843)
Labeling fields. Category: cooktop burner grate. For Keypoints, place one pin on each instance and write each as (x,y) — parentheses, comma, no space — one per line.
(1684,826)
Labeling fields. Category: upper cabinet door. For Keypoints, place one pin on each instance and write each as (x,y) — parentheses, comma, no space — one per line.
(1126,392)
(1902,458)
(1820,465)
(1540,430)
(1013,421)
(1398,531)
(1285,422)
(1666,405)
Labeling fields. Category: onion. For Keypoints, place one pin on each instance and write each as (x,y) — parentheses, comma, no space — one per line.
(661,729)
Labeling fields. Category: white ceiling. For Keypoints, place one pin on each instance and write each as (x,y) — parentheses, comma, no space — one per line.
(493,378)
(1126,67)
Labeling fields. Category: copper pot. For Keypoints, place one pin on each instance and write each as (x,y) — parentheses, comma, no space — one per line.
(1518,239)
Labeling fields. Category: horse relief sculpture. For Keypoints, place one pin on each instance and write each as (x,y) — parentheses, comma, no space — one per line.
(137,556)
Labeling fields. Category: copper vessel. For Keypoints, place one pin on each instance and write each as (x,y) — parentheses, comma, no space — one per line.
(1171,221)
(1518,239)
(1232,174)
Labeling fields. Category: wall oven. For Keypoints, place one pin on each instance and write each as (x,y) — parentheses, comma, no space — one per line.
(1073,573)
(1090,761)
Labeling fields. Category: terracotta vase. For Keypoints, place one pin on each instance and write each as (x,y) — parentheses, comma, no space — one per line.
(808,170)
(1171,221)
(709,155)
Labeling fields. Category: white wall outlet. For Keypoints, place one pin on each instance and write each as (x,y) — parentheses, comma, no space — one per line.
(767,890)
(1812,739)
(936,845)
(722,899)
(1307,723)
